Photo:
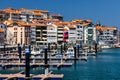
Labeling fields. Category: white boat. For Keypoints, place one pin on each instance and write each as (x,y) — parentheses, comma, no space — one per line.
(84,56)
(35,52)
(70,52)
(117,45)
(105,46)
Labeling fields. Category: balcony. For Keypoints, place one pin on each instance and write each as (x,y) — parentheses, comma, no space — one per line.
(37,37)
(60,39)
(60,31)
(38,30)
(60,35)
(51,34)
(33,37)
(90,38)
(44,34)
(33,30)
(33,33)
(44,30)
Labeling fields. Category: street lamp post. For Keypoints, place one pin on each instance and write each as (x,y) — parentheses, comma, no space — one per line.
(78,50)
(75,52)
(95,47)
(46,56)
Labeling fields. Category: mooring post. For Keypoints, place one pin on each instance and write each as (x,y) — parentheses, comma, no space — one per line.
(95,47)
(75,52)
(78,50)
(46,57)
(27,63)
(19,52)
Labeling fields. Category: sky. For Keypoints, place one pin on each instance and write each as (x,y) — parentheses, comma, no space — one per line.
(105,11)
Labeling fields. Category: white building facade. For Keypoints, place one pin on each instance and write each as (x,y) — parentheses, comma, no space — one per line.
(51,33)
(72,36)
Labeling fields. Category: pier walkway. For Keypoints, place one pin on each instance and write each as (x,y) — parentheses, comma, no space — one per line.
(5,65)
(34,77)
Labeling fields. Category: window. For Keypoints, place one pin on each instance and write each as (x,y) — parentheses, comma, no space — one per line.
(21,34)
(15,34)
(21,40)
(15,28)
(26,28)
(38,35)
(90,31)
(26,34)
(80,26)
(38,40)
(51,28)
(90,38)
(16,40)
(38,28)
(1,26)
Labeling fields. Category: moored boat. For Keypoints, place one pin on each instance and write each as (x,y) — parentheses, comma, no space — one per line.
(105,46)
(117,45)
(70,52)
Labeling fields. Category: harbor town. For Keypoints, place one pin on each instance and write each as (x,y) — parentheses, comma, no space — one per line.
(38,39)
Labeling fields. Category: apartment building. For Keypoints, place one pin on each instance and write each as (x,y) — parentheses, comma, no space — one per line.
(89,33)
(33,35)
(30,15)
(51,33)
(23,14)
(37,33)
(106,35)
(19,32)
(79,30)
(41,34)
(79,33)
(56,16)
(85,31)
(60,30)
(65,34)
(72,34)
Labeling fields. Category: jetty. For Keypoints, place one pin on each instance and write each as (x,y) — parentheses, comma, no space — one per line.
(9,65)
(19,76)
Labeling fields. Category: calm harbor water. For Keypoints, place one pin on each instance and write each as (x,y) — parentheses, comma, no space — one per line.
(106,66)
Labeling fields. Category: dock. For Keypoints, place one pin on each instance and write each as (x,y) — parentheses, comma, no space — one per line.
(34,77)
(52,76)
(7,65)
